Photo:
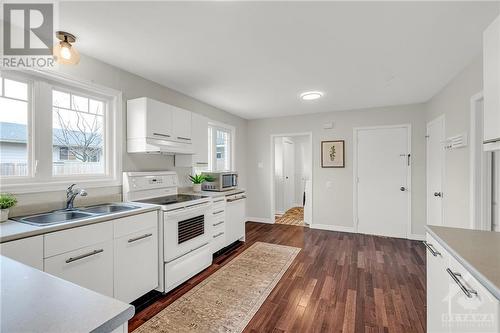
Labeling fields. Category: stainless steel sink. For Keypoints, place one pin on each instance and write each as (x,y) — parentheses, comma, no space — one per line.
(65,216)
(108,208)
(54,217)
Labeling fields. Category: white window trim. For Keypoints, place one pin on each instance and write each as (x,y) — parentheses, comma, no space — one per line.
(232,131)
(113,133)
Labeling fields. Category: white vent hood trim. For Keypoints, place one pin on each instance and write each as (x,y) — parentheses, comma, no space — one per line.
(148,145)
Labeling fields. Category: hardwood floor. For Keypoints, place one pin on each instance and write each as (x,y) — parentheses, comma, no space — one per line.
(339,282)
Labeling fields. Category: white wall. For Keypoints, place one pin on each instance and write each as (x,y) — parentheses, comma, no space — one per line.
(454,102)
(134,86)
(332,206)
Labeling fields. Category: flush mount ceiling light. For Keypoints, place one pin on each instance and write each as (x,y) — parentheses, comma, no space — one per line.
(64,52)
(311,95)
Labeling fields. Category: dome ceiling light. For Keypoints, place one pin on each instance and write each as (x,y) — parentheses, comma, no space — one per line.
(64,52)
(311,95)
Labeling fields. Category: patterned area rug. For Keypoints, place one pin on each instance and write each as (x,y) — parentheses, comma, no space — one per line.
(293,216)
(228,299)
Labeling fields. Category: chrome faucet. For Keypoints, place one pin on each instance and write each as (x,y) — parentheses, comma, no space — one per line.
(71,194)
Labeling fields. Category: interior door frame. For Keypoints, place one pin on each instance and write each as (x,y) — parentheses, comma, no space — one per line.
(355,174)
(443,171)
(480,195)
(271,171)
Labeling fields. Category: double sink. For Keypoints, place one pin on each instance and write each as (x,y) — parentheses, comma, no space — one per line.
(63,216)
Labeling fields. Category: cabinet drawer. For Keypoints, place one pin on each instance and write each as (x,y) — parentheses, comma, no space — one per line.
(90,267)
(134,223)
(219,204)
(136,264)
(182,269)
(218,241)
(28,251)
(76,238)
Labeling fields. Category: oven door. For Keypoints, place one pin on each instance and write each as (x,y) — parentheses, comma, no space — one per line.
(185,230)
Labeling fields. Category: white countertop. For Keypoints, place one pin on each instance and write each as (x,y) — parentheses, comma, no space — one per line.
(12,230)
(478,251)
(34,301)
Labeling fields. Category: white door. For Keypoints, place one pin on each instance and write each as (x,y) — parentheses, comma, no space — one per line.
(289,173)
(435,170)
(382,179)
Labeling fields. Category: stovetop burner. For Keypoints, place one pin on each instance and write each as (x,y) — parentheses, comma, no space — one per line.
(172,199)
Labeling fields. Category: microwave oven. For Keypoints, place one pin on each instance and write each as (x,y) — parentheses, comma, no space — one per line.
(222,181)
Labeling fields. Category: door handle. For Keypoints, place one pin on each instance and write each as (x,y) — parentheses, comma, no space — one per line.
(438,194)
(402,188)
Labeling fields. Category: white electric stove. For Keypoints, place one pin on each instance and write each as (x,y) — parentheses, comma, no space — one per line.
(184,225)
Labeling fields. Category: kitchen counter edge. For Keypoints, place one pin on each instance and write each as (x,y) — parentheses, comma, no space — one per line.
(12,230)
(489,285)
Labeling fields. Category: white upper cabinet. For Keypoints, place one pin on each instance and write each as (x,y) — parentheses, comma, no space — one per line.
(491,85)
(153,126)
(148,118)
(200,144)
(182,125)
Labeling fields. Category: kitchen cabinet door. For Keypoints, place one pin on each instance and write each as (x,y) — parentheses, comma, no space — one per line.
(136,264)
(437,287)
(235,219)
(200,144)
(491,85)
(181,125)
(473,309)
(28,251)
(159,120)
(90,267)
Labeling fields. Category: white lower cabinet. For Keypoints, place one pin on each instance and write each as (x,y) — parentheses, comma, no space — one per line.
(90,267)
(28,251)
(136,264)
(218,225)
(456,301)
(235,218)
(117,258)
(437,287)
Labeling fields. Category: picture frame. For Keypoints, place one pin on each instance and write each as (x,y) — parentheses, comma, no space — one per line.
(333,154)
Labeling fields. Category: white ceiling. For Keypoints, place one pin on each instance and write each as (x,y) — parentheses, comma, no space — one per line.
(254,58)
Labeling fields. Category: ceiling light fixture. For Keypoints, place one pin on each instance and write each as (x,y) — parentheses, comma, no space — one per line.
(64,52)
(311,95)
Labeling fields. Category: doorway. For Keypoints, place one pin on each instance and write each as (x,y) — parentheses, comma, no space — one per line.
(435,170)
(382,176)
(292,179)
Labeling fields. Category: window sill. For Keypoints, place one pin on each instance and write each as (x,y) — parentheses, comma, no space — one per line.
(58,185)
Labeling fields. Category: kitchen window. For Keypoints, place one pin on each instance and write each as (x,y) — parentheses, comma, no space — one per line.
(220,150)
(15,130)
(55,130)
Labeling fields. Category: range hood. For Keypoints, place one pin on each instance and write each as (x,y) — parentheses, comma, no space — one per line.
(158,146)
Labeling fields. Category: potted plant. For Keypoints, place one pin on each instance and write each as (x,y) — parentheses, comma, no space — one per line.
(6,201)
(197,180)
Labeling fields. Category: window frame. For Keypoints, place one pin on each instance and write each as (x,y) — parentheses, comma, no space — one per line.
(41,178)
(212,149)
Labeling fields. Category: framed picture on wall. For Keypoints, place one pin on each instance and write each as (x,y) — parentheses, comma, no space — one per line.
(333,154)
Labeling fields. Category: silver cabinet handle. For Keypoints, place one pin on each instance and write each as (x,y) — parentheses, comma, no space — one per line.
(438,194)
(218,212)
(159,134)
(233,200)
(431,249)
(219,223)
(182,138)
(131,240)
(491,141)
(455,276)
(218,235)
(71,259)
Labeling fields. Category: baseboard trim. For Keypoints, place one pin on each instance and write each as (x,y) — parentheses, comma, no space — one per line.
(416,237)
(331,227)
(260,220)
